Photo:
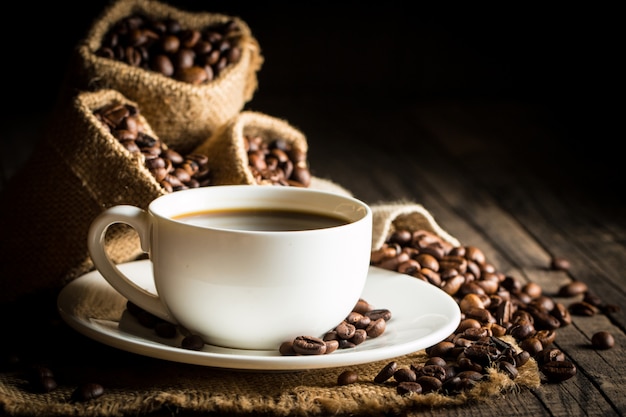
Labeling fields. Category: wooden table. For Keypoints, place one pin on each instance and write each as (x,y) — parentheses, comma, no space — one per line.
(524,179)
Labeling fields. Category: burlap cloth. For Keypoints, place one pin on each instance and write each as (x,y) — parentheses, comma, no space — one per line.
(135,384)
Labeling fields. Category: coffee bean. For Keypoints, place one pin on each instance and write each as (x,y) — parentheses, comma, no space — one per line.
(559,264)
(87,391)
(192,342)
(602,340)
(405,375)
(309,345)
(573,289)
(347,377)
(408,387)
(558,371)
(386,372)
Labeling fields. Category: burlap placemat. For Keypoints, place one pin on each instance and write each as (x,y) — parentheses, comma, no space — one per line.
(137,384)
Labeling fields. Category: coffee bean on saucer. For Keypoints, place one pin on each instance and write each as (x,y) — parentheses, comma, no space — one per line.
(192,342)
(309,345)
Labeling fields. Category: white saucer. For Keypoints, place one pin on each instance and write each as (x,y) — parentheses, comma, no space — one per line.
(422,315)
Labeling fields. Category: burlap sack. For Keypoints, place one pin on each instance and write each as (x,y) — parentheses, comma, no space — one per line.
(77,170)
(389,217)
(228,141)
(182,114)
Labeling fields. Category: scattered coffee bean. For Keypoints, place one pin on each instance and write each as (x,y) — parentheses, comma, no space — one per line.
(309,345)
(493,305)
(347,377)
(408,387)
(602,340)
(387,372)
(573,289)
(558,371)
(41,379)
(558,263)
(87,391)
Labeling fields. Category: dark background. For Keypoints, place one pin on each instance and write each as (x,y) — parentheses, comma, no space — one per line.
(562,61)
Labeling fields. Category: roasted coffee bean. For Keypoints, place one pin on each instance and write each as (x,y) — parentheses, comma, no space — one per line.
(345,330)
(429,383)
(42,379)
(405,375)
(573,289)
(386,372)
(558,263)
(362,306)
(360,336)
(192,342)
(558,371)
(548,355)
(582,308)
(602,340)
(331,346)
(286,348)
(347,377)
(508,369)
(408,387)
(376,328)
(380,313)
(87,391)
(309,345)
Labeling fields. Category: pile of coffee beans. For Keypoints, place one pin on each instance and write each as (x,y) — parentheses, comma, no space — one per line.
(165,46)
(364,322)
(493,305)
(276,162)
(172,171)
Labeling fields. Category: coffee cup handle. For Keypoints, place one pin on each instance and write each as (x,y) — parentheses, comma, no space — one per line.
(139,220)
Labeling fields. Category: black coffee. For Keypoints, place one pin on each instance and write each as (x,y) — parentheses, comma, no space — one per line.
(262,219)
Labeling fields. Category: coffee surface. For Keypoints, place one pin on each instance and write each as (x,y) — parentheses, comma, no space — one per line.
(261,219)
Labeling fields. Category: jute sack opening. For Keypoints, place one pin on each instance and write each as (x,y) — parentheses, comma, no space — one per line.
(232,166)
(182,114)
(77,170)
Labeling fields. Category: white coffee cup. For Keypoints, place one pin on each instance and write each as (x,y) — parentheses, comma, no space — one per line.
(237,283)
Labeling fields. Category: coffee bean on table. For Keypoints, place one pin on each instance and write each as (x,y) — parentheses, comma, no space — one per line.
(558,371)
(602,340)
